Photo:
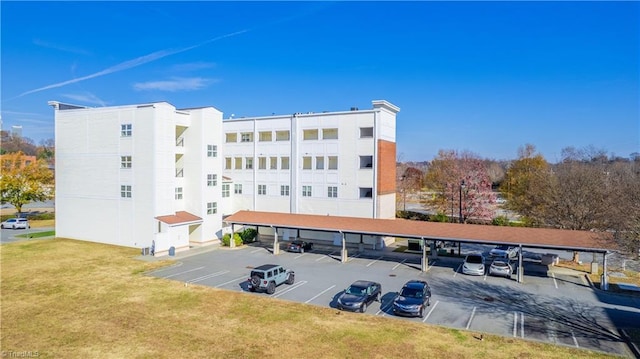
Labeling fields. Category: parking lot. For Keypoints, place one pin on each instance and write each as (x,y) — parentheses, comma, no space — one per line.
(559,307)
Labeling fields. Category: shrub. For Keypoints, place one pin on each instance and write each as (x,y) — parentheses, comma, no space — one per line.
(440,217)
(248,235)
(500,221)
(226,239)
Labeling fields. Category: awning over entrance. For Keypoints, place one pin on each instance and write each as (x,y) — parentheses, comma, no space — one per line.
(484,234)
(180,218)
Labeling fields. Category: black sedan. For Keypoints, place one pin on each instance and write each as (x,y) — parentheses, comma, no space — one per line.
(359,295)
(413,298)
(299,246)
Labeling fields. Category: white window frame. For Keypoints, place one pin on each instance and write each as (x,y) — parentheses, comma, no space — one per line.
(332,191)
(262,189)
(237,188)
(284,190)
(125,191)
(179,193)
(126,130)
(226,190)
(333,163)
(329,133)
(212,151)
(246,137)
(212,180)
(306,191)
(212,207)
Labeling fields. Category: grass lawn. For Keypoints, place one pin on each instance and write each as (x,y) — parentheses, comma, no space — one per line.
(69,299)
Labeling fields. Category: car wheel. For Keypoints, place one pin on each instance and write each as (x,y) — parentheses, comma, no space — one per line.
(377,297)
(363,308)
(291,278)
(271,288)
(428,301)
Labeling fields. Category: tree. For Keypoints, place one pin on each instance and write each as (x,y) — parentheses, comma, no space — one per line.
(460,184)
(21,184)
(408,183)
(526,183)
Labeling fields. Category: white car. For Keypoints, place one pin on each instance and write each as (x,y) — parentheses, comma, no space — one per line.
(504,251)
(16,223)
(473,264)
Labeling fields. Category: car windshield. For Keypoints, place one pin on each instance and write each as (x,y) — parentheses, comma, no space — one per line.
(356,290)
(502,248)
(411,293)
(474,259)
(499,264)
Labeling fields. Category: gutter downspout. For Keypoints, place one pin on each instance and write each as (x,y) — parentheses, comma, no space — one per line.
(375,168)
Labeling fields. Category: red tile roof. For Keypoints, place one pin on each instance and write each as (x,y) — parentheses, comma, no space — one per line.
(181,217)
(531,237)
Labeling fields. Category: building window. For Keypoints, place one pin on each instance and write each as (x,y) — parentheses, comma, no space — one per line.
(125,191)
(125,161)
(246,137)
(178,192)
(262,163)
(320,163)
(306,191)
(231,137)
(238,163)
(329,133)
(366,192)
(366,161)
(284,163)
(273,163)
(212,180)
(225,190)
(125,130)
(262,189)
(306,163)
(366,132)
(212,151)
(284,190)
(265,136)
(248,163)
(310,134)
(333,162)
(282,135)
(237,188)
(332,192)
(212,208)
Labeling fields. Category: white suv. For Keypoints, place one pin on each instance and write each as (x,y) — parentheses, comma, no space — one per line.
(15,223)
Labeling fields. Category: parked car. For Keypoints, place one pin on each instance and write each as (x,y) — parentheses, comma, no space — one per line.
(299,246)
(501,267)
(268,276)
(473,264)
(359,295)
(16,223)
(504,251)
(413,298)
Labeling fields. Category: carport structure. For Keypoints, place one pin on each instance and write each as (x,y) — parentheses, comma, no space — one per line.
(541,238)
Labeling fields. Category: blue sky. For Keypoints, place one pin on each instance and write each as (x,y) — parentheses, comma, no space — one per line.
(487,77)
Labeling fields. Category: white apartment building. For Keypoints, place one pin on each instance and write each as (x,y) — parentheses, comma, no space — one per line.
(330,163)
(153,175)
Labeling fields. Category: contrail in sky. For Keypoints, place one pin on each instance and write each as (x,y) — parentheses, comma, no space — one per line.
(133,63)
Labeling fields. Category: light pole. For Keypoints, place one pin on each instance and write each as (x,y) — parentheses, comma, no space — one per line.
(461,187)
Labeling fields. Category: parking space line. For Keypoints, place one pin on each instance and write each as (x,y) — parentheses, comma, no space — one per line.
(299,284)
(575,341)
(231,281)
(521,325)
(187,271)
(457,270)
(383,310)
(432,308)
(473,312)
(397,265)
(323,257)
(354,256)
(257,250)
(432,264)
(515,324)
(554,280)
(178,264)
(302,254)
(321,293)
(198,279)
(370,263)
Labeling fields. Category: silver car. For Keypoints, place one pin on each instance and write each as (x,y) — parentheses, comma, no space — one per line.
(473,264)
(16,223)
(501,267)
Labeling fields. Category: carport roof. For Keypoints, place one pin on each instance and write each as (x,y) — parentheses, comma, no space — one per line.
(530,237)
(180,218)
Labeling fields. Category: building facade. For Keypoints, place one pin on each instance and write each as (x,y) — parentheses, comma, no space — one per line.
(155,176)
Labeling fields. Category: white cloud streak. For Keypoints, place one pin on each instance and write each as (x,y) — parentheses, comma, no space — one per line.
(132,63)
(175,84)
(86,98)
